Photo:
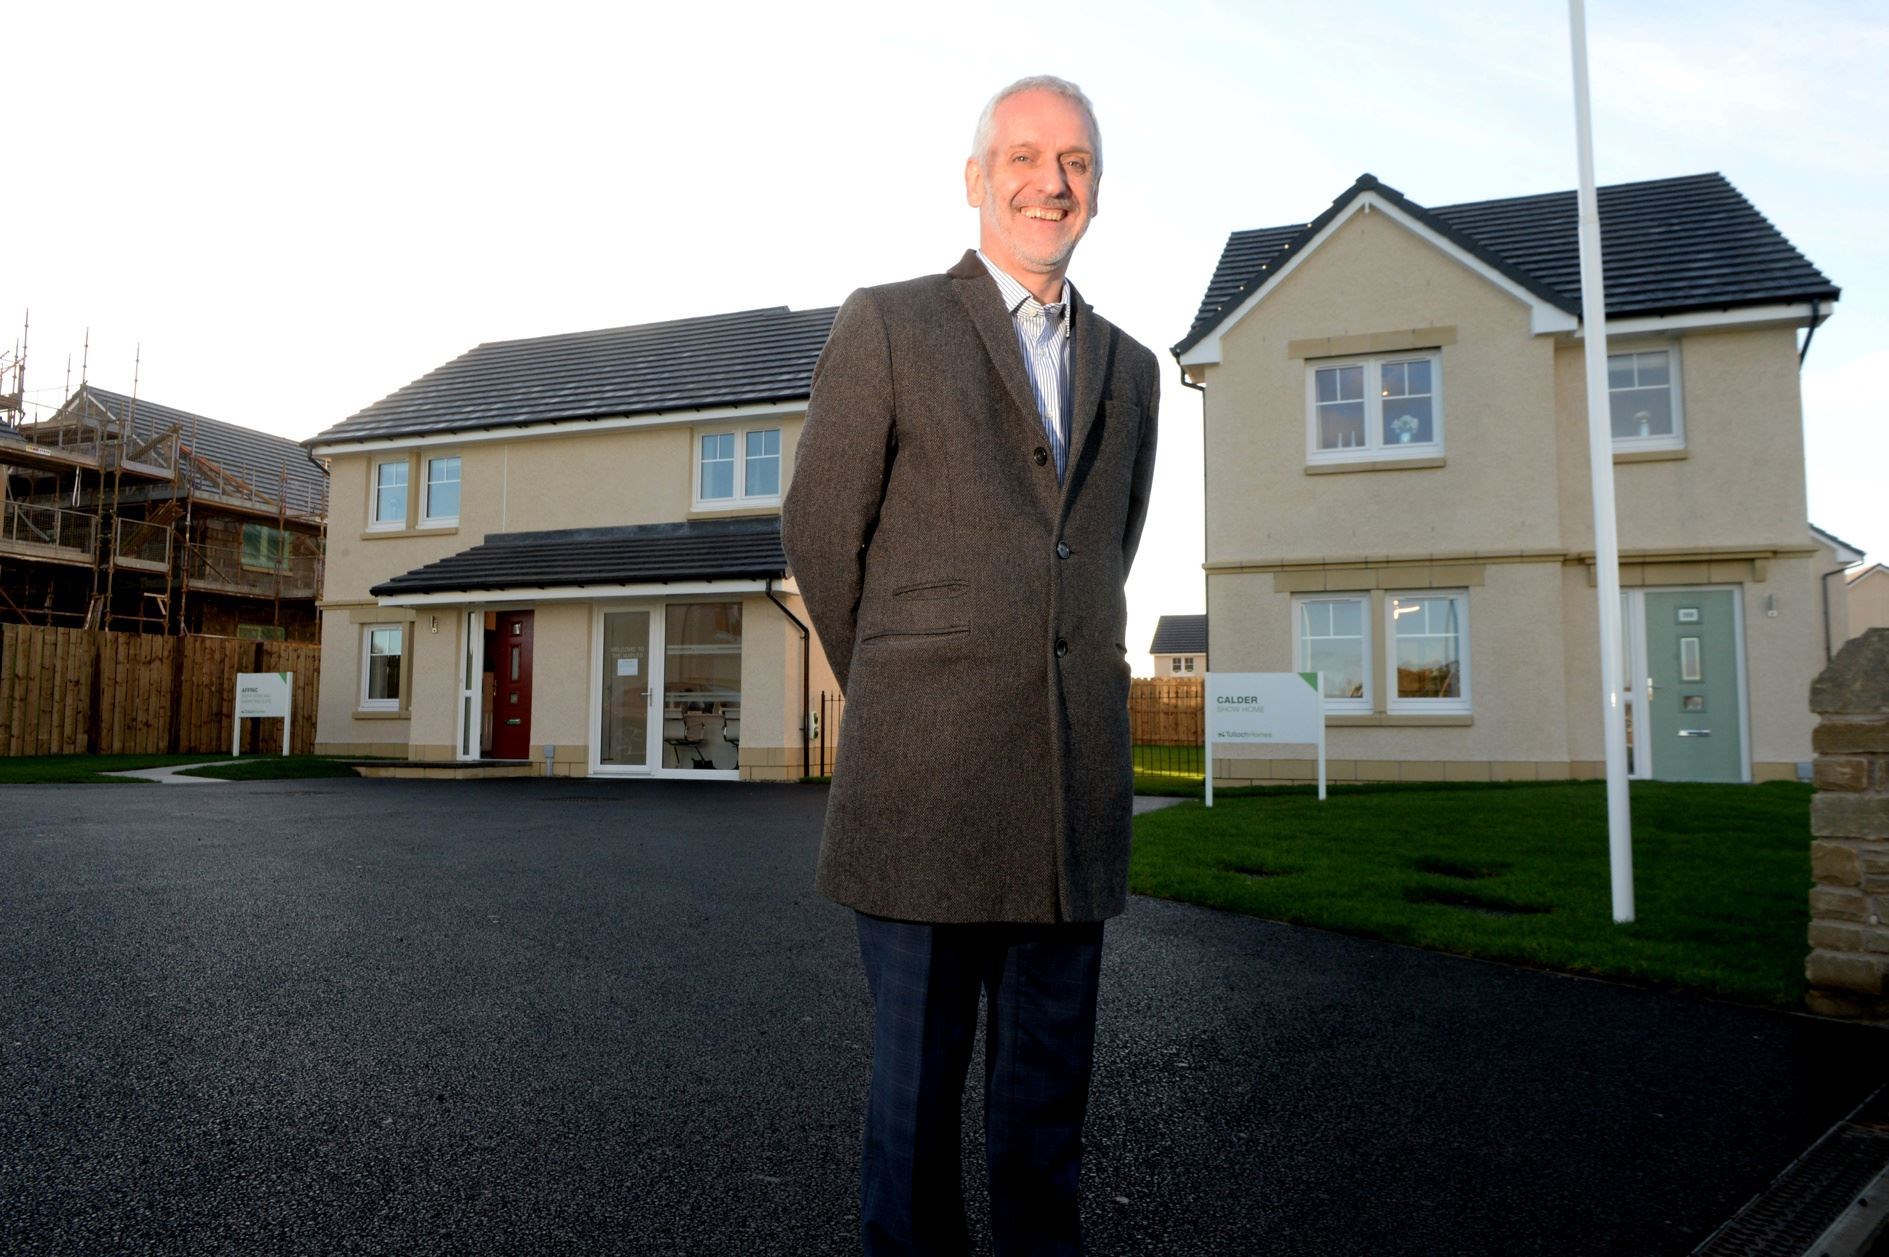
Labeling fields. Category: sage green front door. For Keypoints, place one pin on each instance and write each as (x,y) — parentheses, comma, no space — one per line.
(1691,708)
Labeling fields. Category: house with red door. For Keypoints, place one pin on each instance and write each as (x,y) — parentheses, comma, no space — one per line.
(563,554)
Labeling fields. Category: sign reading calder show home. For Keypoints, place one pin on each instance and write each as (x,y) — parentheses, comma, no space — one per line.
(1264,707)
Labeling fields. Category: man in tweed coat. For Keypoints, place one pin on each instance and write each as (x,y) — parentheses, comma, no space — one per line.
(968,493)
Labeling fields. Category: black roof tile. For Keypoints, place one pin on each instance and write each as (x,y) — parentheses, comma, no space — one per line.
(1179,635)
(1670,245)
(715,549)
(749,357)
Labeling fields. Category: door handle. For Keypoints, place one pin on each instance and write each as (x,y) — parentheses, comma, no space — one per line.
(1695,733)
(514,720)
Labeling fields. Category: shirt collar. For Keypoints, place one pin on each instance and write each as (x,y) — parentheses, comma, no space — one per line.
(1016,296)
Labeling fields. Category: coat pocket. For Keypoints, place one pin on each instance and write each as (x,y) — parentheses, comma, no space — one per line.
(929,590)
(937,636)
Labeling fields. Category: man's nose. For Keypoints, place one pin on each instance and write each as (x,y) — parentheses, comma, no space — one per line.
(1051,179)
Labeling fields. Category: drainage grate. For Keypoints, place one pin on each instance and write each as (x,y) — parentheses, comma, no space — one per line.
(1799,1206)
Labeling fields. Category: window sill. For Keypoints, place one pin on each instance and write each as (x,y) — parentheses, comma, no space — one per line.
(425,530)
(757,506)
(1375,464)
(1649,456)
(1405,719)
(381,714)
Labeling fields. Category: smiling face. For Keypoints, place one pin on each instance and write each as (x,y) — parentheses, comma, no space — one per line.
(1034,188)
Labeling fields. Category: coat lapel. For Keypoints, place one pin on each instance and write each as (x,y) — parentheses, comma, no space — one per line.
(978,291)
(1087,374)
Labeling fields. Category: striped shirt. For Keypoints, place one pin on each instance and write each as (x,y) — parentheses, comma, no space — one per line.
(1043,336)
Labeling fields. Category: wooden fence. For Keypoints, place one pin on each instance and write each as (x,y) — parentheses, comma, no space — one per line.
(76,691)
(1167,711)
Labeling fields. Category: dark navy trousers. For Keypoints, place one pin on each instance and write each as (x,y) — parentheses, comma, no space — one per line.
(1040,981)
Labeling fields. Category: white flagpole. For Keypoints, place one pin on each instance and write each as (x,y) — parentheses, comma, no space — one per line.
(1601,461)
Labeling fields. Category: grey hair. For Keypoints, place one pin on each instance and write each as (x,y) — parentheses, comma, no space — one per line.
(981,138)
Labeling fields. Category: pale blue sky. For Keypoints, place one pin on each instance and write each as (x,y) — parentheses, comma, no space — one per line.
(298,211)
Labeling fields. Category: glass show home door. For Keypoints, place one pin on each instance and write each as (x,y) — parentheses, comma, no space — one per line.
(668,689)
(1685,689)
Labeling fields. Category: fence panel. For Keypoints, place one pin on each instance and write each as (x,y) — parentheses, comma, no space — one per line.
(45,688)
(70,691)
(207,703)
(135,685)
(1167,723)
(304,660)
(826,747)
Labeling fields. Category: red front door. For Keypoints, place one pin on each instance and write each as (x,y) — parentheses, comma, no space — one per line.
(511,716)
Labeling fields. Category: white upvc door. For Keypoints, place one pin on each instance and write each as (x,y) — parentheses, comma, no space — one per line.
(665,689)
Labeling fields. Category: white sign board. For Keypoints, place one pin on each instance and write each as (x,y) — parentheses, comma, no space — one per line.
(1259,708)
(262,696)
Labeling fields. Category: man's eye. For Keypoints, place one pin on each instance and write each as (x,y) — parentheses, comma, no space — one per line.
(1078,165)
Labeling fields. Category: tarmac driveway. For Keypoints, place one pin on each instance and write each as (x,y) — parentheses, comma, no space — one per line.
(534,1016)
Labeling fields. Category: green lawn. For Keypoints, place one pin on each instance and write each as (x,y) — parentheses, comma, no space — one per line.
(1169,770)
(88,769)
(37,770)
(1514,872)
(276,768)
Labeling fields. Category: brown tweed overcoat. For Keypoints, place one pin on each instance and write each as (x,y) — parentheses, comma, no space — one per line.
(972,608)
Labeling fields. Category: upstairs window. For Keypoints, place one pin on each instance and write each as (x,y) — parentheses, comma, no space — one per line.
(265,549)
(1643,399)
(442,491)
(1374,408)
(738,467)
(388,503)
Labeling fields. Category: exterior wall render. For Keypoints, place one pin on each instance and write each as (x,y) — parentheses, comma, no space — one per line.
(1374,276)
(1740,479)
(1867,600)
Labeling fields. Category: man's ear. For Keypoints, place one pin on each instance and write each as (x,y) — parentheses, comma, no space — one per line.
(973,182)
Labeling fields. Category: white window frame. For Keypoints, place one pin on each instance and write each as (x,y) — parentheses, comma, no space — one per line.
(427,518)
(1375,448)
(1301,661)
(368,702)
(1676,439)
(742,500)
(1441,706)
(374,519)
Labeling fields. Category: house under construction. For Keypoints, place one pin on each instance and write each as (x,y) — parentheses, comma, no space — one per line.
(119,513)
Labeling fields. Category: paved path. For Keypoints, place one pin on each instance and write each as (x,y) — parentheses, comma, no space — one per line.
(171,776)
(556,1016)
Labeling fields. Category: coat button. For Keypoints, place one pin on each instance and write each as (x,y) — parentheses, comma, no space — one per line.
(1062,648)
(1062,549)
(1040,455)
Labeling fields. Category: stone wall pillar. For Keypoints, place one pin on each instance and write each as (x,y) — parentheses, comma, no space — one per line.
(1848,966)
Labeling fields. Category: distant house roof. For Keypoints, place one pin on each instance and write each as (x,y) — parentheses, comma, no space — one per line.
(1179,635)
(1846,553)
(1873,571)
(750,357)
(1669,246)
(259,458)
(635,554)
